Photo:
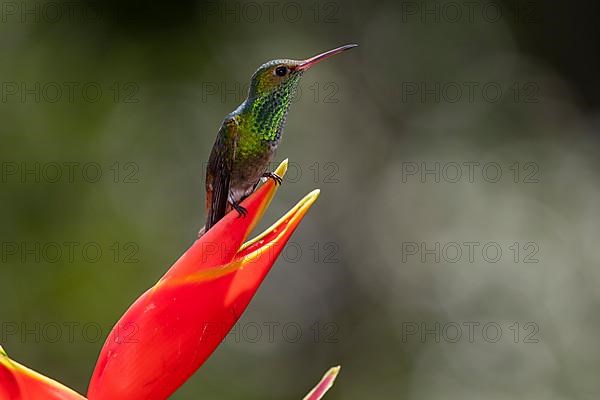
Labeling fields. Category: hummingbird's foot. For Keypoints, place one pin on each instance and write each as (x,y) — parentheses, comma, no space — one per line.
(242,212)
(272,175)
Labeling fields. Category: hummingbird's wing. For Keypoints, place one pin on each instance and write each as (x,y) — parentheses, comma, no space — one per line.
(218,173)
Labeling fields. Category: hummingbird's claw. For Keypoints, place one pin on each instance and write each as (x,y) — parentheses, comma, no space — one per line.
(272,175)
(241,210)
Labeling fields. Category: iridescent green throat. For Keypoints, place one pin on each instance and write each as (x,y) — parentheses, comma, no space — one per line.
(264,114)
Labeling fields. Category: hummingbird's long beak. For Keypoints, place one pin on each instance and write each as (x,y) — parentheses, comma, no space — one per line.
(309,62)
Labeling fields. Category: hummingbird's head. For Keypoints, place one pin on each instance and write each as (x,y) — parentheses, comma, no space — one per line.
(281,77)
(277,77)
(272,89)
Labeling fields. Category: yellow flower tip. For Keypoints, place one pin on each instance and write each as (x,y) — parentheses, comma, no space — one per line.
(282,169)
(4,359)
(331,374)
(313,195)
(324,384)
(334,371)
(304,205)
(3,355)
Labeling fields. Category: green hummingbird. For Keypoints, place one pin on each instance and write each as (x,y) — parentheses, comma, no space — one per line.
(249,136)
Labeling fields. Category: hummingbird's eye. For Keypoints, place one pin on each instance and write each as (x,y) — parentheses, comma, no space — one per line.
(281,71)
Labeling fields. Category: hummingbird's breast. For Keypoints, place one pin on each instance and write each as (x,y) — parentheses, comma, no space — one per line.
(261,121)
(253,156)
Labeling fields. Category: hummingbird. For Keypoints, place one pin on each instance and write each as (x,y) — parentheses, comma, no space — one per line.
(248,137)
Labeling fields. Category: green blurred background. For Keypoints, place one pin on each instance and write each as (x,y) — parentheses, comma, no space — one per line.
(107,116)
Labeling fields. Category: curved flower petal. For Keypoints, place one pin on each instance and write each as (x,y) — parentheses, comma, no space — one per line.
(168,333)
(324,385)
(18,382)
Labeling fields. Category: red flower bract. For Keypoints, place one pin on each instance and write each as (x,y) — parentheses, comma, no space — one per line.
(166,335)
(18,382)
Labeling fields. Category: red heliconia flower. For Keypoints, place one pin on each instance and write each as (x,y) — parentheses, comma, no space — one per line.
(170,331)
(167,333)
(20,383)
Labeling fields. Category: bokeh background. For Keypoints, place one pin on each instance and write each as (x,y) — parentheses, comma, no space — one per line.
(107,116)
